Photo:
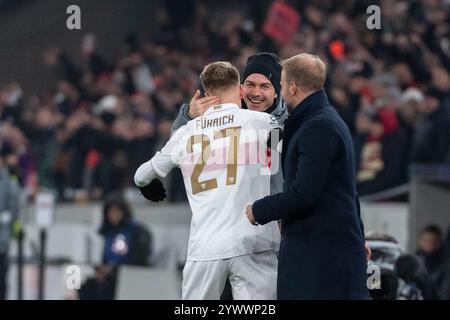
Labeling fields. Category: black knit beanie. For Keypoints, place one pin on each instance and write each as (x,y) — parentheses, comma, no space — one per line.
(267,64)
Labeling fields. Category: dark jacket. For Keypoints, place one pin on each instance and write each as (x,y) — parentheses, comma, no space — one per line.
(322,245)
(418,284)
(434,265)
(129,242)
(135,241)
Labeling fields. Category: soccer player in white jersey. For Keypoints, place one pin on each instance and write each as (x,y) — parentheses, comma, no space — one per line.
(222,156)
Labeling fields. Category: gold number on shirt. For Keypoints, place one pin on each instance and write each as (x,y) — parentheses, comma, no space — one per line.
(234,133)
(206,152)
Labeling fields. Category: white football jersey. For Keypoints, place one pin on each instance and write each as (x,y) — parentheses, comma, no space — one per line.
(223,159)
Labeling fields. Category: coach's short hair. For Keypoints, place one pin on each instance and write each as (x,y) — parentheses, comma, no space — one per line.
(306,70)
(219,75)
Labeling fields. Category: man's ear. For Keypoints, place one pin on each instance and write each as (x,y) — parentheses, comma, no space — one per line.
(241,91)
(293,88)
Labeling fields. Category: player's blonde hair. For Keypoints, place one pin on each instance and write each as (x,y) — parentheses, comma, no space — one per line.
(220,75)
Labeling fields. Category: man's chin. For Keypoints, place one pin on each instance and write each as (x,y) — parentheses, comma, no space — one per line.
(257,107)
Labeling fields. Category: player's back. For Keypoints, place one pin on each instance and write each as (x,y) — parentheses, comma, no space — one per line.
(224,169)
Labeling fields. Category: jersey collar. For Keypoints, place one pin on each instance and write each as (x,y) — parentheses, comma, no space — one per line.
(220,107)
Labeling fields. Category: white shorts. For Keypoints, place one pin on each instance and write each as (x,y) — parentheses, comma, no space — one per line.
(252,277)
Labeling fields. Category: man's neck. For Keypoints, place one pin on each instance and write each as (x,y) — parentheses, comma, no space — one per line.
(300,98)
(230,99)
(228,96)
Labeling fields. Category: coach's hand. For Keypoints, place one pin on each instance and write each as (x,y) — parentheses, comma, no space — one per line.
(154,191)
(368,251)
(198,105)
(249,213)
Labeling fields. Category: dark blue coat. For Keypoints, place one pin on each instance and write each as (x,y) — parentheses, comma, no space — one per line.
(322,239)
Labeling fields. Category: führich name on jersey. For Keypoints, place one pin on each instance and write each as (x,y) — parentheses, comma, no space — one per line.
(203,123)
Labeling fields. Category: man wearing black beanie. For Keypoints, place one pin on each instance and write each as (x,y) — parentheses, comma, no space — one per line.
(261,82)
(265,63)
(260,91)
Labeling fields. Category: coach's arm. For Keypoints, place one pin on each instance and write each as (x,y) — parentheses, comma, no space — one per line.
(182,118)
(316,151)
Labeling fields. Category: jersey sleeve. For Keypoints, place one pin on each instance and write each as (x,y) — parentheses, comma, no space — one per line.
(163,161)
(170,155)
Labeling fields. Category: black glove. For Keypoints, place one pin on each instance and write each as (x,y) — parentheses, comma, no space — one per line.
(154,191)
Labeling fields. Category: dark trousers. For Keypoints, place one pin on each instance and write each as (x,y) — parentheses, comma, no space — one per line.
(99,289)
(3,275)
(227,293)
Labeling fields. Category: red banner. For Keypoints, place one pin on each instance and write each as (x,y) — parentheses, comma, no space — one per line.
(282,22)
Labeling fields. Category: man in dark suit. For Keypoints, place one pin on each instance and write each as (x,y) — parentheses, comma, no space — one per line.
(322,252)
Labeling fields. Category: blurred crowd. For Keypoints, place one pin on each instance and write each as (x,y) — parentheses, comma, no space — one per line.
(86,135)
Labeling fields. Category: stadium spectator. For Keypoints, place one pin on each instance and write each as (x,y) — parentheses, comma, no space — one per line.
(432,137)
(416,282)
(431,251)
(407,113)
(127,242)
(9,210)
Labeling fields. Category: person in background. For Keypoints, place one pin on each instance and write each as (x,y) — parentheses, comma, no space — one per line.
(431,142)
(127,242)
(9,209)
(380,151)
(416,283)
(407,113)
(431,251)
(385,251)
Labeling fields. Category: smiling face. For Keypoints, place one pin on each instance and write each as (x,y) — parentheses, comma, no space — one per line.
(258,92)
